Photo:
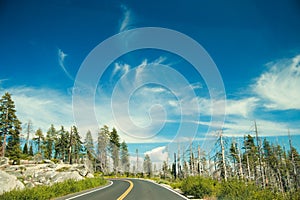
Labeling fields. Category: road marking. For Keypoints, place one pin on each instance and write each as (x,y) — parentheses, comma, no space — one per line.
(91,191)
(127,191)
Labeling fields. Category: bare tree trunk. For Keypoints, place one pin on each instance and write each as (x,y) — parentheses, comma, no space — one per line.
(240,163)
(191,160)
(178,163)
(199,161)
(293,161)
(259,156)
(223,157)
(137,160)
(248,168)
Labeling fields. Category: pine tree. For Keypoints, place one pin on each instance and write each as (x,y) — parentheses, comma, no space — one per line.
(234,155)
(61,144)
(30,151)
(125,157)
(39,139)
(147,164)
(77,144)
(28,130)
(103,143)
(114,146)
(165,169)
(49,142)
(89,145)
(10,128)
(250,157)
(25,149)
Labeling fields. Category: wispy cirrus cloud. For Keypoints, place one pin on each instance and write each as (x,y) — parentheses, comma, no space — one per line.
(127,20)
(43,106)
(121,69)
(278,87)
(61,61)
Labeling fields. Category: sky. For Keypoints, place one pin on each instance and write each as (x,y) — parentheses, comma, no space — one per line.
(255,46)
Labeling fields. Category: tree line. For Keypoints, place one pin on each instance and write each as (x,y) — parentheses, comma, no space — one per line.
(62,144)
(257,160)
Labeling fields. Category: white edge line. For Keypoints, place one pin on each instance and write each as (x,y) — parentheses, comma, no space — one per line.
(163,187)
(91,191)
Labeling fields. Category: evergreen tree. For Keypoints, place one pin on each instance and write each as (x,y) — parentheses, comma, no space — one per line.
(250,157)
(39,139)
(61,145)
(114,146)
(103,142)
(125,157)
(10,128)
(28,131)
(49,142)
(147,165)
(77,144)
(30,151)
(294,158)
(165,169)
(25,149)
(89,145)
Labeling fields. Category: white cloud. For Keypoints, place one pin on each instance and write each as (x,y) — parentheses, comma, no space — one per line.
(158,155)
(238,127)
(42,106)
(120,68)
(61,61)
(279,86)
(241,107)
(196,86)
(2,80)
(127,19)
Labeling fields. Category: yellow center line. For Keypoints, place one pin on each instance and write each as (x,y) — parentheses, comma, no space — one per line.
(127,191)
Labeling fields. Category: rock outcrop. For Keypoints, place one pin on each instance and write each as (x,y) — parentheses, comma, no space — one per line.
(9,182)
(48,173)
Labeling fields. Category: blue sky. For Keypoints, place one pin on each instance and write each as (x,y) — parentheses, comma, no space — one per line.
(254,44)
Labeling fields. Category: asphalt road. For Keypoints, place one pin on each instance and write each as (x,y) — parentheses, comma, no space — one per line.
(129,189)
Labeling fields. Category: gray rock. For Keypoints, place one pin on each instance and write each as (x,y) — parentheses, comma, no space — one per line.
(53,166)
(9,182)
(42,179)
(89,175)
(89,165)
(83,172)
(63,176)
(48,161)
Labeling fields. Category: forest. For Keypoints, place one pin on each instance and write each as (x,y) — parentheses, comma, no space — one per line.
(231,170)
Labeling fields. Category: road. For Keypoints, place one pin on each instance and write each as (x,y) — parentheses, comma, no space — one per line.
(129,189)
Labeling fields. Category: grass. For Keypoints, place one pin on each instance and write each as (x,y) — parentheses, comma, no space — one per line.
(54,191)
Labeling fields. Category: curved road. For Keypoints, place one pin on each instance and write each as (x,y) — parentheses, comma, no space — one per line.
(129,189)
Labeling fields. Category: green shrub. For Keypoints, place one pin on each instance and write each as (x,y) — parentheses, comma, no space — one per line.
(199,187)
(239,190)
(56,190)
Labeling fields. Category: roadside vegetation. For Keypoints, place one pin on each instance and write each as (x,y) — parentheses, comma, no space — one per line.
(54,191)
(233,189)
